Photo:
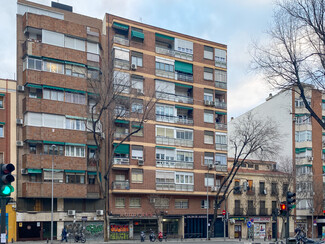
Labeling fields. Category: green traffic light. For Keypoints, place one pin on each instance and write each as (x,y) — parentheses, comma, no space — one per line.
(6,190)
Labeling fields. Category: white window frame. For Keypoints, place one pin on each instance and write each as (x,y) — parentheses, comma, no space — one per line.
(75,151)
(208,116)
(184,175)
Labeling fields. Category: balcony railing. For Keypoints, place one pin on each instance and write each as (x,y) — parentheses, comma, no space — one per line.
(221,126)
(174,141)
(238,211)
(221,105)
(184,77)
(182,55)
(274,192)
(119,135)
(222,168)
(174,164)
(174,97)
(121,185)
(222,85)
(222,147)
(251,191)
(263,211)
(165,74)
(174,187)
(174,119)
(165,51)
(120,40)
(121,161)
(122,64)
(238,192)
(251,211)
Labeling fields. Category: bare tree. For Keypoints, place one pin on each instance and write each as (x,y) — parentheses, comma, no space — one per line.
(115,97)
(248,137)
(159,204)
(293,58)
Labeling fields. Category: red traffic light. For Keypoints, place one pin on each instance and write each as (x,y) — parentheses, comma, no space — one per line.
(283,207)
(223,212)
(324,212)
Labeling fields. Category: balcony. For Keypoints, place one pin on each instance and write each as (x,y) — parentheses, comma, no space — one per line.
(174,97)
(93,191)
(182,55)
(120,135)
(223,189)
(121,161)
(221,105)
(165,51)
(174,164)
(221,126)
(238,192)
(263,211)
(174,119)
(121,64)
(121,41)
(221,85)
(174,141)
(251,191)
(221,147)
(121,185)
(165,74)
(238,211)
(184,77)
(173,187)
(251,211)
(222,168)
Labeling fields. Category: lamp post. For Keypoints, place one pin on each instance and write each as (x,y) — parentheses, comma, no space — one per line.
(53,149)
(208,203)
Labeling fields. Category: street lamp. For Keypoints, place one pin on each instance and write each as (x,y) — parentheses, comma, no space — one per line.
(53,149)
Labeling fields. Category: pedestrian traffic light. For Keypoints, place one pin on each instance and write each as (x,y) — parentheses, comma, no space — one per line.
(283,209)
(6,178)
(290,200)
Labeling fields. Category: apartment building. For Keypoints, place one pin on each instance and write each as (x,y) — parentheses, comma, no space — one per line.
(163,177)
(302,145)
(266,188)
(8,143)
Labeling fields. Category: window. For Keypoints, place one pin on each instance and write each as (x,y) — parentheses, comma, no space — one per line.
(135,202)
(208,158)
(221,138)
(220,159)
(136,126)
(204,204)
(184,156)
(74,43)
(48,150)
(78,98)
(323,105)
(184,134)
(75,70)
(55,95)
(208,137)
(208,52)
(304,170)
(285,188)
(181,203)
(120,202)
(262,187)
(1,101)
(75,178)
(220,58)
(220,76)
(165,67)
(208,95)
(32,149)
(302,119)
(137,83)
(164,177)
(92,47)
(184,178)
(164,155)
(53,67)
(208,116)
(299,103)
(303,153)
(75,124)
(57,175)
(2,134)
(162,203)
(256,166)
(32,63)
(137,152)
(75,151)
(208,73)
(137,106)
(137,176)
(136,58)
(209,180)
(302,136)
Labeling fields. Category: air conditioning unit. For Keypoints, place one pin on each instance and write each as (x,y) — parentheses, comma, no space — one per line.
(20,143)
(24,171)
(206,102)
(309,159)
(20,88)
(99,212)
(71,212)
(232,221)
(210,166)
(133,66)
(140,162)
(19,121)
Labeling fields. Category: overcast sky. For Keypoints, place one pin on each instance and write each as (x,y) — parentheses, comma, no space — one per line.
(232,22)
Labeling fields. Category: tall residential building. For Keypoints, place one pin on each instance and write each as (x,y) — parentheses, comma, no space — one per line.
(302,143)
(164,177)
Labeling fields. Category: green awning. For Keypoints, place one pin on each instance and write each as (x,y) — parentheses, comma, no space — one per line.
(75,144)
(323,101)
(92,146)
(300,115)
(34,141)
(137,34)
(221,113)
(94,68)
(183,85)
(75,117)
(183,107)
(307,165)
(91,173)
(74,171)
(323,134)
(34,86)
(323,169)
(120,26)
(75,64)
(53,60)
(164,36)
(33,56)
(92,94)
(137,126)
(75,91)
(34,171)
(122,149)
(323,150)
(2,94)
(54,88)
(53,142)
(54,170)
(163,147)
(183,67)
(2,123)
(122,121)
(301,150)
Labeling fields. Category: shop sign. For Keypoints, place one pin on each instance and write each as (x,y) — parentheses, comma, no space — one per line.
(300,221)
(238,218)
(262,219)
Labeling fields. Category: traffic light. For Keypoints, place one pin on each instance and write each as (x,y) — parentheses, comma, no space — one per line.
(5,179)
(290,200)
(283,208)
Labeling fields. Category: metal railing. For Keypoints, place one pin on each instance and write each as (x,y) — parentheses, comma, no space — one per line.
(221,85)
(174,187)
(251,211)
(222,168)
(174,141)
(250,191)
(120,40)
(119,135)
(121,185)
(263,211)
(165,51)
(238,192)
(174,97)
(164,73)
(121,161)
(174,119)
(221,105)
(221,126)
(122,64)
(174,164)
(184,77)
(238,211)
(182,55)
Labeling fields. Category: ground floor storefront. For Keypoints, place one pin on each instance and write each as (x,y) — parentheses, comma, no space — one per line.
(195,226)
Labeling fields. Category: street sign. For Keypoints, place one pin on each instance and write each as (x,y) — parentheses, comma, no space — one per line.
(223,212)
(249,224)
